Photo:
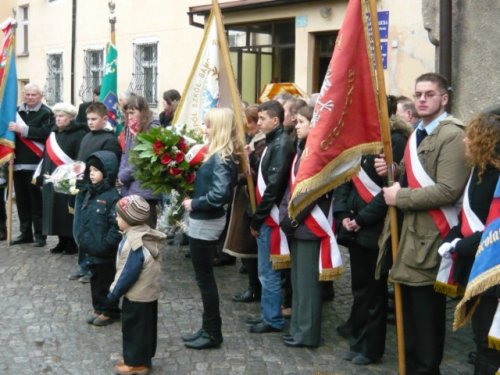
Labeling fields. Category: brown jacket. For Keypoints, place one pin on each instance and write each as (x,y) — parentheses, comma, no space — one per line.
(442,156)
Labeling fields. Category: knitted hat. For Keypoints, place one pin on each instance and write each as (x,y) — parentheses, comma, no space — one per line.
(133,209)
(95,162)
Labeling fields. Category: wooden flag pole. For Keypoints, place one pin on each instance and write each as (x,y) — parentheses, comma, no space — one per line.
(386,140)
(221,34)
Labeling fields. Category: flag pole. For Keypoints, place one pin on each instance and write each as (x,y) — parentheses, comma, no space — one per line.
(386,140)
(112,20)
(10,179)
(221,34)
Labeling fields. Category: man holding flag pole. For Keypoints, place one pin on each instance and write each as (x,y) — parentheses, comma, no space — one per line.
(350,119)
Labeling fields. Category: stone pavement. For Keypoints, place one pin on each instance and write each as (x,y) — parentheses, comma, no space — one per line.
(43,328)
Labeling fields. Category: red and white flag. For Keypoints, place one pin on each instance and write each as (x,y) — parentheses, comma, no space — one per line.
(345,123)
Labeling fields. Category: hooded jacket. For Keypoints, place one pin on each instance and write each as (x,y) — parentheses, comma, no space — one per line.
(138,265)
(96,230)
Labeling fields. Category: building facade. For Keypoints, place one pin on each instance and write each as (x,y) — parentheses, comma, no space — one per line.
(61,43)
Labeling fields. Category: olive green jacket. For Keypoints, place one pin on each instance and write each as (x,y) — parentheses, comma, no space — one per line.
(442,156)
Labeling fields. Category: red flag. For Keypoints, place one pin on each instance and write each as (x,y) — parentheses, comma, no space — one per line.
(345,123)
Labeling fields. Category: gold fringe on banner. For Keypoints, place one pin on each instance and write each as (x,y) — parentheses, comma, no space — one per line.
(309,190)
(448,289)
(330,274)
(480,284)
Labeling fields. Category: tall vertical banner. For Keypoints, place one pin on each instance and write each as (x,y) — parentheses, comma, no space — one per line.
(108,94)
(203,89)
(8,91)
(345,123)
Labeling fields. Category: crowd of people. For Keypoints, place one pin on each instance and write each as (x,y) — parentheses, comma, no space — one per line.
(111,223)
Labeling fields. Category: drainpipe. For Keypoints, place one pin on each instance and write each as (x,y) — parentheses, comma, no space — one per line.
(445,44)
(73,50)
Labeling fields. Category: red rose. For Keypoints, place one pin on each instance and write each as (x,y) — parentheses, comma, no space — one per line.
(190,178)
(158,148)
(182,145)
(165,159)
(179,157)
(175,171)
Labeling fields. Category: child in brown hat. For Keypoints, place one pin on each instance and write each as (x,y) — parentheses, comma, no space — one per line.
(137,279)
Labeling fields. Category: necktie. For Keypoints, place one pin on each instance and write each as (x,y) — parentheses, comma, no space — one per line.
(421,134)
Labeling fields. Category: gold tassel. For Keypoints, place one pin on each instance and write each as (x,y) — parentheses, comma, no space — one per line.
(447,289)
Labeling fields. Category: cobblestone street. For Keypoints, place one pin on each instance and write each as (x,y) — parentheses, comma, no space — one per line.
(43,328)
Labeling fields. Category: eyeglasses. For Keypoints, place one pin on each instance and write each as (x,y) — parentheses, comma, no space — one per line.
(427,94)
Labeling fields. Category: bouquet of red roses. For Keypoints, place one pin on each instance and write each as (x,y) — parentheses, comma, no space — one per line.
(163,160)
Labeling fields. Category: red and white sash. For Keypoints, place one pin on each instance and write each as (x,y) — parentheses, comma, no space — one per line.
(470,221)
(55,153)
(330,260)
(36,147)
(365,186)
(279,251)
(444,217)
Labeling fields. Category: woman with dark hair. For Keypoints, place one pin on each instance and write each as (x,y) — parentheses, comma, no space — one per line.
(482,150)
(171,99)
(139,119)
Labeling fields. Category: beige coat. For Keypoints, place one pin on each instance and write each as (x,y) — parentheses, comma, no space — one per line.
(442,156)
(150,242)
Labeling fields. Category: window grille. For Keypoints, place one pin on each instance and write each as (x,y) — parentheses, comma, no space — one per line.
(93,62)
(145,73)
(54,84)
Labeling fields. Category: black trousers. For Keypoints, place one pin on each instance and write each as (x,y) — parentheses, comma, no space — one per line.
(424,314)
(139,331)
(369,310)
(29,204)
(3,213)
(487,360)
(202,255)
(251,264)
(102,277)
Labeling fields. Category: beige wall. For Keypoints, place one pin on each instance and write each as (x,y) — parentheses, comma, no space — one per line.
(167,22)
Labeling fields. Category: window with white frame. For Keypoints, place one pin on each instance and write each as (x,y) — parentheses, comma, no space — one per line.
(93,60)
(22,30)
(145,73)
(54,84)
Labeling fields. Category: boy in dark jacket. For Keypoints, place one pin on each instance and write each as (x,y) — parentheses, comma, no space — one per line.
(97,233)
(100,137)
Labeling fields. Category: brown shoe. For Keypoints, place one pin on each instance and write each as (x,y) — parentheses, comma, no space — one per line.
(123,369)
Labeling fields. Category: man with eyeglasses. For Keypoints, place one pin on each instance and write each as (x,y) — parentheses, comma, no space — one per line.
(433,175)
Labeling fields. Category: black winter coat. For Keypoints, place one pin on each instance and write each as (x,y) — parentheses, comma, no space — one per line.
(56,217)
(275,166)
(480,197)
(96,230)
(99,140)
(348,203)
(40,124)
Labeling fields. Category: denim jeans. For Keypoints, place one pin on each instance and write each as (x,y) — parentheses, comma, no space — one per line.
(270,303)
